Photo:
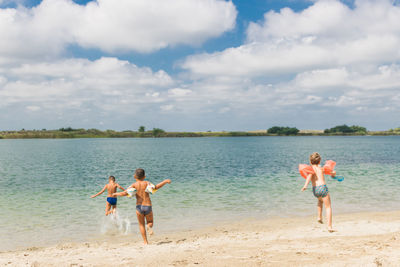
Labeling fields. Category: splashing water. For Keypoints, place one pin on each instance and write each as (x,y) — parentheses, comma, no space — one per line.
(115,224)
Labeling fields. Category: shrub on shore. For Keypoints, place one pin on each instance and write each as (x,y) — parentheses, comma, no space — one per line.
(344,129)
(283,130)
(157,132)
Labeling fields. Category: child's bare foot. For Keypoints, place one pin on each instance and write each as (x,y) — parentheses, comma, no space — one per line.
(320,221)
(330,230)
(149,230)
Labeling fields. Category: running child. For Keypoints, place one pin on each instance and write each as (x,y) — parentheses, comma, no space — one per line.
(111,187)
(144,210)
(320,190)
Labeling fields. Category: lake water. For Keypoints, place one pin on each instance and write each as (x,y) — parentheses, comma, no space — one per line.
(45,185)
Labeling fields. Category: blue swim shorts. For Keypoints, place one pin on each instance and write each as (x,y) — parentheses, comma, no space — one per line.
(112,201)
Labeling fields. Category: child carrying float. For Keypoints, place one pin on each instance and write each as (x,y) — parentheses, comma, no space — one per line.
(315,174)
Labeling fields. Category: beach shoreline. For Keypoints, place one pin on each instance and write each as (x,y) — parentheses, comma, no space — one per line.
(362,239)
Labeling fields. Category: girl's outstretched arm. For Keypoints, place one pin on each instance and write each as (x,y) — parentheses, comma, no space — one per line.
(166,181)
(99,193)
(307,182)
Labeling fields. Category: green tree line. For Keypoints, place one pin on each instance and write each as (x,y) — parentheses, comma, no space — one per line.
(69,132)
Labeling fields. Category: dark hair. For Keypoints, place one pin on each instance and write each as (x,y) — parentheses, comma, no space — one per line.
(139,173)
(111,178)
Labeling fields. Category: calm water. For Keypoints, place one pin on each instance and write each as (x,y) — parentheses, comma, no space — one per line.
(45,185)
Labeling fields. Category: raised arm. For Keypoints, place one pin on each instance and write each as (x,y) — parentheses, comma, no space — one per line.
(99,193)
(307,182)
(166,181)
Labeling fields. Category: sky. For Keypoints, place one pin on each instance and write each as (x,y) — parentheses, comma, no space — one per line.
(199,65)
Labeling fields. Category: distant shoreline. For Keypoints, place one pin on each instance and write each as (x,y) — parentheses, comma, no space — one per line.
(94,133)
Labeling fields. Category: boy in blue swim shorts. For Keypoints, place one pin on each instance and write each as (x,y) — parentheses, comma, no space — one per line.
(144,211)
(320,190)
(111,187)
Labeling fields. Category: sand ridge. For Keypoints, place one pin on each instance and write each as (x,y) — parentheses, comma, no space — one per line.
(364,239)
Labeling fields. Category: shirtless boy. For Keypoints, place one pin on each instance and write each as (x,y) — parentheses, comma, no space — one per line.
(144,210)
(320,190)
(111,187)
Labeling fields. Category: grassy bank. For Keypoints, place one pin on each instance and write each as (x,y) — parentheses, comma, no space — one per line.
(94,133)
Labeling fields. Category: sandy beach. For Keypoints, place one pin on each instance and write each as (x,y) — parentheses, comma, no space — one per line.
(363,239)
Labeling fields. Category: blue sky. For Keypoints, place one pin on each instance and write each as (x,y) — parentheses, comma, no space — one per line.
(199,65)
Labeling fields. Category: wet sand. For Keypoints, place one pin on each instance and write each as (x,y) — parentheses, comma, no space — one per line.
(362,239)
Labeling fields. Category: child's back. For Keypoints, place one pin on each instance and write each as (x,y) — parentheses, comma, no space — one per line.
(320,190)
(111,188)
(318,178)
(142,197)
(144,209)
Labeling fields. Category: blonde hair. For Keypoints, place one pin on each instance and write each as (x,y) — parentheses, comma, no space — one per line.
(315,158)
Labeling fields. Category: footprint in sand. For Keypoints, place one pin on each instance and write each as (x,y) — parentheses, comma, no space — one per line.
(182,262)
(164,242)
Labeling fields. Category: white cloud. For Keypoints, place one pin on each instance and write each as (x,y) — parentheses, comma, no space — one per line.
(329,91)
(327,59)
(224,110)
(167,107)
(385,77)
(113,26)
(148,25)
(179,92)
(343,87)
(33,108)
(107,83)
(328,34)
(293,67)
(326,78)
(3,80)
